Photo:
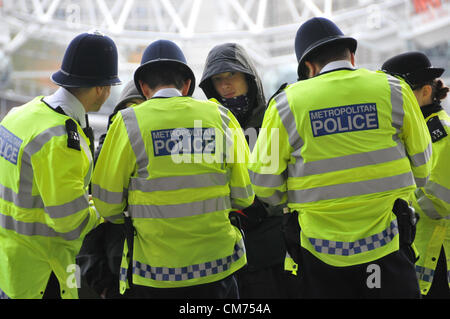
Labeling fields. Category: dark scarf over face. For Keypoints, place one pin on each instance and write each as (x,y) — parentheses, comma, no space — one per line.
(239,106)
(231,57)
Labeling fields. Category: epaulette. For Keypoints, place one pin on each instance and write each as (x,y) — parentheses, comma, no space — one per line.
(73,138)
(281,88)
(437,130)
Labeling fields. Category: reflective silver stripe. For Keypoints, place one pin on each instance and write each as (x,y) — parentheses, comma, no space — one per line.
(136,141)
(178,182)
(347,162)
(34,146)
(267,180)
(397,103)
(445,123)
(427,205)
(25,199)
(441,192)
(241,192)
(424,274)
(224,116)
(39,229)
(295,141)
(288,120)
(422,158)
(69,208)
(275,199)
(180,210)
(398,115)
(420,182)
(227,134)
(356,247)
(188,272)
(351,189)
(22,201)
(108,196)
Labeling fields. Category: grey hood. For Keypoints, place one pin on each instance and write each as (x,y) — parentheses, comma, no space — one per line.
(128,93)
(232,57)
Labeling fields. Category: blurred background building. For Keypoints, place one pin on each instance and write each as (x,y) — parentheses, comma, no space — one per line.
(35,33)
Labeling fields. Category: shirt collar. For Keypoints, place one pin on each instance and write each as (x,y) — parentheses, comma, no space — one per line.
(167,92)
(69,104)
(341,64)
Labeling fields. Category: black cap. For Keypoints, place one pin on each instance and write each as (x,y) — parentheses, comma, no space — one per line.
(413,66)
(315,33)
(91,59)
(163,51)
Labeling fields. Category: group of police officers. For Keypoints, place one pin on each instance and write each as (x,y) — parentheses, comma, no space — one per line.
(345,193)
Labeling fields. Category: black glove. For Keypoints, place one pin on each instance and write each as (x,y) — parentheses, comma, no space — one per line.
(407,220)
(250,217)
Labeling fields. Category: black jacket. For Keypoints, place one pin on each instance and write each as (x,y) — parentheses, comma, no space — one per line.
(261,223)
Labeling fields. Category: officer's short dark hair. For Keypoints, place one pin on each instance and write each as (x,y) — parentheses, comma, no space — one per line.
(329,53)
(164,73)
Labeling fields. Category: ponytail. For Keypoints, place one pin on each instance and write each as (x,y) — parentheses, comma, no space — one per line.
(439,90)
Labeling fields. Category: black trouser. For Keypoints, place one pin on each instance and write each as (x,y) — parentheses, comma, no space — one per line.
(396,278)
(52,291)
(222,289)
(439,287)
(267,283)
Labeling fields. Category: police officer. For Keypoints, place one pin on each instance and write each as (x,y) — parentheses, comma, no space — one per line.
(345,150)
(177,172)
(431,201)
(46,166)
(101,253)
(229,76)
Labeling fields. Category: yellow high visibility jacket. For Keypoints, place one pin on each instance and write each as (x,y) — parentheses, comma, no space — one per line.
(173,164)
(432,202)
(45,170)
(340,148)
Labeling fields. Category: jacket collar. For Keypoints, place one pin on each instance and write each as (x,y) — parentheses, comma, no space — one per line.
(429,109)
(337,65)
(167,92)
(69,103)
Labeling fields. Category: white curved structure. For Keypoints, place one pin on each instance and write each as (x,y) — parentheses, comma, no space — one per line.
(39,30)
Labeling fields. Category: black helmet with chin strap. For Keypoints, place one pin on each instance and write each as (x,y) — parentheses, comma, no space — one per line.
(316,33)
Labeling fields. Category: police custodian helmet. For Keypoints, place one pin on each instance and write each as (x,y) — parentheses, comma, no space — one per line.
(315,33)
(90,60)
(163,51)
(414,67)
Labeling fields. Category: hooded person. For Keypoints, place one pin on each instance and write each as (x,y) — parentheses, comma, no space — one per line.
(101,252)
(230,78)
(231,57)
